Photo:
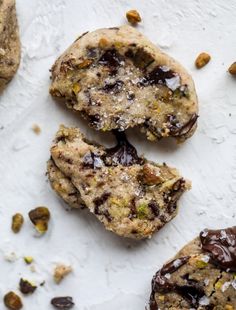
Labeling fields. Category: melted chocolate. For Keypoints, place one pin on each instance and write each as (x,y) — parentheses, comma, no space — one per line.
(177,129)
(161,284)
(161,75)
(111,58)
(124,153)
(192,292)
(221,244)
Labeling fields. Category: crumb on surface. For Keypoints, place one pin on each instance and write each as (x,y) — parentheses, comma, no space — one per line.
(202,60)
(60,272)
(28,259)
(232,69)
(133,17)
(36,129)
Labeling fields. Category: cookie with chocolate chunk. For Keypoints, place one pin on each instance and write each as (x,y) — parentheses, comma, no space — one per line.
(9,42)
(117,79)
(130,195)
(201,276)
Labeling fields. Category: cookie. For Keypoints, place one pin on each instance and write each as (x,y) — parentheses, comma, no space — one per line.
(117,79)
(201,276)
(130,195)
(9,42)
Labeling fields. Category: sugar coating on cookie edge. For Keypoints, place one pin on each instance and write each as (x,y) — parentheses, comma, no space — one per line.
(117,79)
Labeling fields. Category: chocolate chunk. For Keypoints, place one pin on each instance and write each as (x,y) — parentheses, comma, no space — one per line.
(94,120)
(100,201)
(92,52)
(113,87)
(177,129)
(130,96)
(161,75)
(140,58)
(26,287)
(173,195)
(154,207)
(111,58)
(191,293)
(221,244)
(92,160)
(63,303)
(124,153)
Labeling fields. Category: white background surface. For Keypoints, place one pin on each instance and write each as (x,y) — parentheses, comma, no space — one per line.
(110,272)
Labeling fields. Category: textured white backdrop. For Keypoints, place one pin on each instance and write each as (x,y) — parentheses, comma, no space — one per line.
(110,272)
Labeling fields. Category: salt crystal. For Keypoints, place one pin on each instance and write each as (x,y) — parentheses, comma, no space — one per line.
(225,286)
(204,301)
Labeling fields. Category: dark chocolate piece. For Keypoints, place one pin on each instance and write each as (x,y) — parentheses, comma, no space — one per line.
(92,160)
(177,129)
(140,58)
(111,58)
(174,194)
(161,75)
(100,201)
(63,303)
(221,245)
(113,87)
(154,207)
(124,153)
(26,287)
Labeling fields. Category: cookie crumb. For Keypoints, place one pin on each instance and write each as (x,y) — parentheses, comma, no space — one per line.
(12,301)
(10,257)
(17,222)
(60,272)
(232,69)
(36,129)
(133,17)
(202,60)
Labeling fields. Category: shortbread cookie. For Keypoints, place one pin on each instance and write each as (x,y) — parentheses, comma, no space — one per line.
(116,78)
(9,42)
(201,276)
(131,196)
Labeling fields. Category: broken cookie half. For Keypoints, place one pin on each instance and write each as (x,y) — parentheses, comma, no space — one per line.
(9,42)
(117,79)
(130,195)
(201,276)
